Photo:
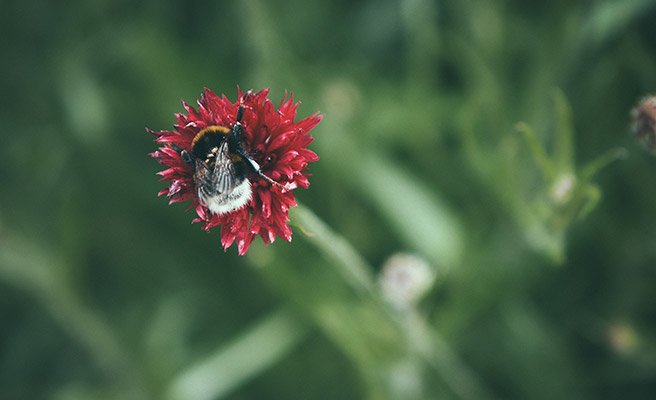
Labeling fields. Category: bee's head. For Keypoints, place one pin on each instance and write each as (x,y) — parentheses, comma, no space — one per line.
(207,140)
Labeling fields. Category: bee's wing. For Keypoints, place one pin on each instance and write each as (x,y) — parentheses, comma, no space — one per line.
(225,171)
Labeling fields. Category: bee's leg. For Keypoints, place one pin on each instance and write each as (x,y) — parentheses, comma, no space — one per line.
(271,181)
(255,167)
(184,153)
(238,135)
(187,157)
(238,128)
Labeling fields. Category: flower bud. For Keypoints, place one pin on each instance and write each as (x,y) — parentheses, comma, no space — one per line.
(562,188)
(405,278)
(644,123)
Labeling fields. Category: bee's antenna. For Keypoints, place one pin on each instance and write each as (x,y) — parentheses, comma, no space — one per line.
(238,128)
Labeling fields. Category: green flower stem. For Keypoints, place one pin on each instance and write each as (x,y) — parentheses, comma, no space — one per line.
(384,343)
(545,165)
(593,167)
(437,353)
(348,262)
(564,149)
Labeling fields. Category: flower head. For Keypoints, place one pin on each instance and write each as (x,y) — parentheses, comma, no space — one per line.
(644,123)
(238,163)
(405,278)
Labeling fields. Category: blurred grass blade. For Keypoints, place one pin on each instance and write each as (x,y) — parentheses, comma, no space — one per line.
(417,214)
(35,270)
(609,17)
(246,356)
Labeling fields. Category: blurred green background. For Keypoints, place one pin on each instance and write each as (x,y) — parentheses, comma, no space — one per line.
(107,292)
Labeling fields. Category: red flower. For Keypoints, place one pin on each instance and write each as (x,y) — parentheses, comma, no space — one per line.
(269,143)
(644,123)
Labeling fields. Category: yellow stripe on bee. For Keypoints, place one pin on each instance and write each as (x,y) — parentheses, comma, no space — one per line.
(221,130)
(235,157)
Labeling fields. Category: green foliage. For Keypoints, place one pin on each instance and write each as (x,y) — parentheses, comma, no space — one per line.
(568,194)
(480,136)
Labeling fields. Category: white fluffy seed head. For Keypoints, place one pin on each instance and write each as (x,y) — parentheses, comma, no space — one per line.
(405,278)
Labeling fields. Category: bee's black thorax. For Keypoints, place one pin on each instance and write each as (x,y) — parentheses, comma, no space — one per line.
(209,139)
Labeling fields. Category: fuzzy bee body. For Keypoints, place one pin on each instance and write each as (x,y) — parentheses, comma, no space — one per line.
(221,167)
(221,182)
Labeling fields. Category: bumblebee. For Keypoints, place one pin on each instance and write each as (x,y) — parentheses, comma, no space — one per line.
(222,167)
